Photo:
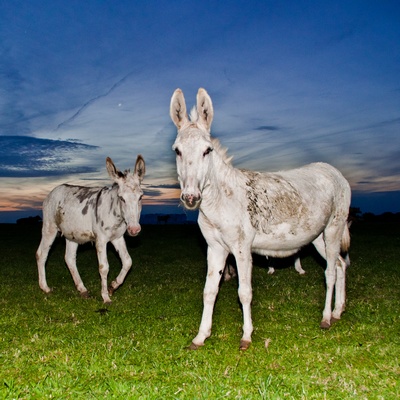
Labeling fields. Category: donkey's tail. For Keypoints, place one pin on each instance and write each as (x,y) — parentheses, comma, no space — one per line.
(345,244)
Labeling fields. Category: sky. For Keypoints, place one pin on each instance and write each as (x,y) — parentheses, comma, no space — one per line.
(292,82)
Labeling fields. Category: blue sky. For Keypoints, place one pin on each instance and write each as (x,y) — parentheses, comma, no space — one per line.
(292,82)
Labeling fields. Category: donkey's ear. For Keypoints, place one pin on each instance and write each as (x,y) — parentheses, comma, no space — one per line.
(112,170)
(205,108)
(140,167)
(177,109)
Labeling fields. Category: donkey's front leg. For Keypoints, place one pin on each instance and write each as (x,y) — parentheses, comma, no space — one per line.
(126,259)
(101,248)
(216,257)
(244,267)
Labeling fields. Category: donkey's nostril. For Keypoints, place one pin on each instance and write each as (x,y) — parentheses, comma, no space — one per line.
(191,201)
(190,198)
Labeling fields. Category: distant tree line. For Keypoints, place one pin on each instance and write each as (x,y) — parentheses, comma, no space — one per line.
(29,221)
(355,214)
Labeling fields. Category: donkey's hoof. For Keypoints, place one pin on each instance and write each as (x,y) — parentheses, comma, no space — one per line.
(334,320)
(325,325)
(102,311)
(46,289)
(111,290)
(193,346)
(85,295)
(244,345)
(270,271)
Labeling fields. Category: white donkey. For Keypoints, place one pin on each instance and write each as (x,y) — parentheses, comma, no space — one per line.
(101,215)
(272,214)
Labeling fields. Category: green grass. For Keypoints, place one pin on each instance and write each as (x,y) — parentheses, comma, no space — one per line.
(63,347)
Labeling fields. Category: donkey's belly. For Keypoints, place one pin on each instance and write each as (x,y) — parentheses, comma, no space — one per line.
(282,241)
(76,229)
(80,236)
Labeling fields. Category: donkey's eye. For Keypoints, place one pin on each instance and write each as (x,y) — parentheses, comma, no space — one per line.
(208,151)
(178,153)
(122,199)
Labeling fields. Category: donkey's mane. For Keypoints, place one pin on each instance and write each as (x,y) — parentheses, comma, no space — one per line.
(194,115)
(222,151)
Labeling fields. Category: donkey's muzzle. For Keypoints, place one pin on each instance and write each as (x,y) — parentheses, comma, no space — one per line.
(190,201)
(133,230)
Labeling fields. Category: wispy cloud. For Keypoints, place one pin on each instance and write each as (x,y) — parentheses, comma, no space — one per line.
(93,100)
(267,128)
(24,156)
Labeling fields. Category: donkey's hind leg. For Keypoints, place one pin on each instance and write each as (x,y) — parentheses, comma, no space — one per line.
(49,233)
(340,289)
(70,259)
(330,278)
(297,266)
(328,245)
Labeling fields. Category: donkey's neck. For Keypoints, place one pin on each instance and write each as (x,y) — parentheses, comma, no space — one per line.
(109,205)
(221,180)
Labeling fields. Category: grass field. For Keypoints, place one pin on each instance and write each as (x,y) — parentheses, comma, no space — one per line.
(63,347)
